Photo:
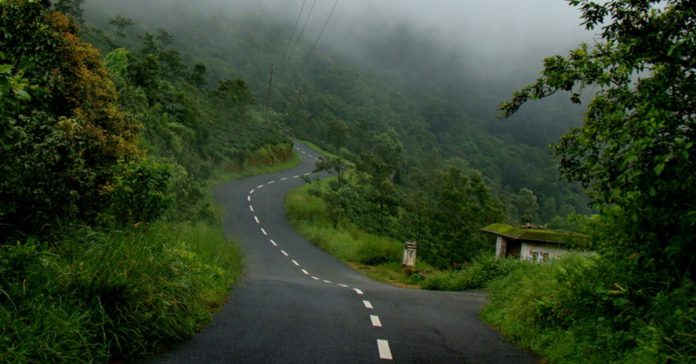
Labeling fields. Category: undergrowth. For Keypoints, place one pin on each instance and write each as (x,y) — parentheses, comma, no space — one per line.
(348,243)
(475,275)
(571,312)
(124,294)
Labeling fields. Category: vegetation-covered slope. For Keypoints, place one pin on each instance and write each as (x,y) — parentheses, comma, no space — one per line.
(436,109)
(109,247)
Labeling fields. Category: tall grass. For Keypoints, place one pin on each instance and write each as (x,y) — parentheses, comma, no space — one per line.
(571,312)
(475,275)
(267,159)
(96,296)
(308,215)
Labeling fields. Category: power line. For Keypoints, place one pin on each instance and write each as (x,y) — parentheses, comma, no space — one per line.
(323,28)
(294,29)
(285,53)
(304,26)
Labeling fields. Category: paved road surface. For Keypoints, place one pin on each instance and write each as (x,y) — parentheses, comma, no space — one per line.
(297,304)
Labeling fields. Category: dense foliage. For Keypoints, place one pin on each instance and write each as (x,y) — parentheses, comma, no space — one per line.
(437,113)
(62,133)
(109,248)
(635,151)
(564,312)
(635,154)
(103,295)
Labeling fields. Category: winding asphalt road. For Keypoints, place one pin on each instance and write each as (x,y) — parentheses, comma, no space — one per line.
(297,304)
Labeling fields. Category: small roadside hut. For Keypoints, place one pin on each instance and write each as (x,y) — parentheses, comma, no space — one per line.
(532,243)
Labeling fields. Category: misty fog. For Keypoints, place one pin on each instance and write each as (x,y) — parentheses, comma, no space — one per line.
(498,38)
(472,53)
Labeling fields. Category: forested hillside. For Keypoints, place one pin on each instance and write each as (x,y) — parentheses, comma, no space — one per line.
(117,116)
(110,247)
(401,83)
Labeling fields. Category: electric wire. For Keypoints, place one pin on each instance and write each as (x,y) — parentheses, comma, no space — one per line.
(323,28)
(294,29)
(304,26)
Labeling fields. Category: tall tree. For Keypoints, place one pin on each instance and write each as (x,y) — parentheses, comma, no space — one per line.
(71,7)
(58,147)
(526,205)
(461,205)
(121,23)
(637,146)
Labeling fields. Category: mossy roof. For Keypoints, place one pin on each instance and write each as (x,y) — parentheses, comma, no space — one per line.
(531,234)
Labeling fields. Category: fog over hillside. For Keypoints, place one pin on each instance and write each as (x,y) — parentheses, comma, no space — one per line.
(497,37)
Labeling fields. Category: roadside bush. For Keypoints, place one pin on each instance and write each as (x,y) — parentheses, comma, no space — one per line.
(60,142)
(475,275)
(575,311)
(141,191)
(377,250)
(308,213)
(96,296)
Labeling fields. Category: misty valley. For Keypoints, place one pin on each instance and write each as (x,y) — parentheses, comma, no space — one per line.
(449,181)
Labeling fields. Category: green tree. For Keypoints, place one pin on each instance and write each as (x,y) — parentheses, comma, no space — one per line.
(335,165)
(58,147)
(526,206)
(461,205)
(71,7)
(637,146)
(197,77)
(237,94)
(121,23)
(338,133)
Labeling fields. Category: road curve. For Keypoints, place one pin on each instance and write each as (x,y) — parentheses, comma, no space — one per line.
(297,304)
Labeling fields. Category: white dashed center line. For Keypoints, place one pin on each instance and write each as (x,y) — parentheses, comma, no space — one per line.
(382,345)
(375,321)
(384,351)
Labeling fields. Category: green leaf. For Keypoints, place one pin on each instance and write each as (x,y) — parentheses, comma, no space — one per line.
(659,168)
(6,69)
(22,95)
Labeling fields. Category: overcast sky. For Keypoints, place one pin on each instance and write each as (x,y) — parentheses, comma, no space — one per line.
(499,35)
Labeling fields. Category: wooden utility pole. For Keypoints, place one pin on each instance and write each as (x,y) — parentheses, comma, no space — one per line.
(268,92)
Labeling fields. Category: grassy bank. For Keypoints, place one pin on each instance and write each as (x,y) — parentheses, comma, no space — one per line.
(121,294)
(380,257)
(269,159)
(567,311)
(376,256)
(90,295)
(574,311)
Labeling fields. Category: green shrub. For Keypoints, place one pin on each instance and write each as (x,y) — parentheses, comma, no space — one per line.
(475,275)
(574,311)
(377,250)
(308,213)
(122,295)
(141,191)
